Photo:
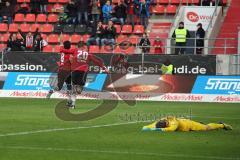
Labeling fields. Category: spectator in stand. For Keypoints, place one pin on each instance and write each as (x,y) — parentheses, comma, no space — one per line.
(180,35)
(82,8)
(107,12)
(120,13)
(144,12)
(23,8)
(131,12)
(43,6)
(97,35)
(71,12)
(35,6)
(200,34)
(6,13)
(14,44)
(157,44)
(29,39)
(144,44)
(95,4)
(39,43)
(110,34)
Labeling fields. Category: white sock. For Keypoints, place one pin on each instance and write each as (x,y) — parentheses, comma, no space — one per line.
(73,99)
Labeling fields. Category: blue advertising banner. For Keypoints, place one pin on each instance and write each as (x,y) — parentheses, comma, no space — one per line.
(43,81)
(226,85)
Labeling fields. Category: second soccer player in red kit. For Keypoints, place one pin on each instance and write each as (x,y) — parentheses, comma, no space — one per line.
(64,70)
(80,61)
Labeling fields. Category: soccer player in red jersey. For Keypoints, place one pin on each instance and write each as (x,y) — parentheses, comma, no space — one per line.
(79,65)
(64,70)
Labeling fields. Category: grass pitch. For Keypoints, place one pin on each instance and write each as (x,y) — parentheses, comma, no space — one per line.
(30,130)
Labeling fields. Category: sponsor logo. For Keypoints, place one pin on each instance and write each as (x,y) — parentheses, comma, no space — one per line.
(44,81)
(21,67)
(194,17)
(229,85)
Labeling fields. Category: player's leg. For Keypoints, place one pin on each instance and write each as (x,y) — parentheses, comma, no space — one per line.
(69,90)
(78,79)
(214,126)
(196,126)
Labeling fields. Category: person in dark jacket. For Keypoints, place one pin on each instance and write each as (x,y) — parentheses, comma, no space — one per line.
(6,13)
(97,35)
(144,44)
(14,44)
(71,12)
(43,6)
(35,6)
(82,8)
(109,34)
(120,13)
(200,34)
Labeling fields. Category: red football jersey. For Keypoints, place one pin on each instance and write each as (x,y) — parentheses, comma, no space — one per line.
(64,60)
(81,60)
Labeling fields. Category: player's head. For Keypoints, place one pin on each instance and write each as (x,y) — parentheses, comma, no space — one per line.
(162,124)
(67,45)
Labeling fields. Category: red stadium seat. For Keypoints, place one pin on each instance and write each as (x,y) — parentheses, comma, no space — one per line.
(196,2)
(63,1)
(171,9)
(20,1)
(121,38)
(3,27)
(41,18)
(30,18)
(158,9)
(34,27)
(25,27)
(75,38)
(85,38)
(53,38)
(52,18)
(47,28)
(65,37)
(44,36)
(94,49)
(49,8)
(2,46)
(57,8)
(176,2)
(130,50)
(118,28)
(134,39)
(162,1)
(126,29)
(57,48)
(48,48)
(5,37)
(19,17)
(52,1)
(138,29)
(13,27)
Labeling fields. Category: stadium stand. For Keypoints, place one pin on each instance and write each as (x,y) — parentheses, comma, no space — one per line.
(50,27)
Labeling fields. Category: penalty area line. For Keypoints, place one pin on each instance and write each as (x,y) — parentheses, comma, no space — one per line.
(120,152)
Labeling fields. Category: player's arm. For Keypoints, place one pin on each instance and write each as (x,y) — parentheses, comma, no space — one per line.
(172,127)
(99,63)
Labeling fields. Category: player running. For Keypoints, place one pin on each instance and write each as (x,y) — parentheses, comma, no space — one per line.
(170,124)
(79,66)
(64,70)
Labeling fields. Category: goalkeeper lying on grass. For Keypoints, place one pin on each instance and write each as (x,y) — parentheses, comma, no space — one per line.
(170,124)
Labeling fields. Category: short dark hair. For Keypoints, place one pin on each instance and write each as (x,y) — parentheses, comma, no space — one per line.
(181,23)
(67,44)
(161,124)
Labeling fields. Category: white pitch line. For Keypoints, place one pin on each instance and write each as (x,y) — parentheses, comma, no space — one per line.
(65,129)
(121,152)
